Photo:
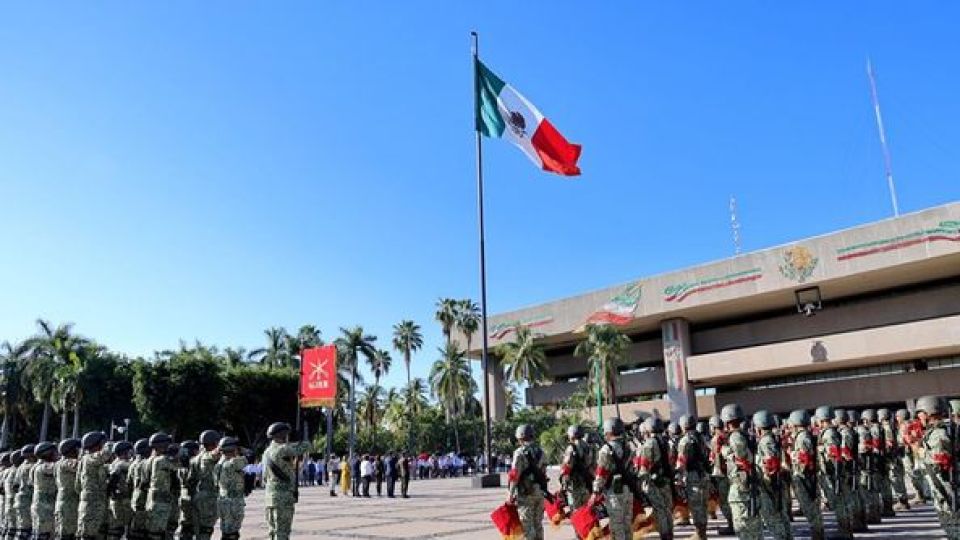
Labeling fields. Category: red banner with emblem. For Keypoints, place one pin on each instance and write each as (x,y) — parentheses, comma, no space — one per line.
(318,376)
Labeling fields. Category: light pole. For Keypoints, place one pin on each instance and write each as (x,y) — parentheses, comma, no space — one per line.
(126,429)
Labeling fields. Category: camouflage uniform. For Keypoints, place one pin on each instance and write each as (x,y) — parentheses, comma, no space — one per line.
(938,460)
(279,472)
(44,499)
(849,487)
(719,473)
(769,464)
(575,472)
(911,438)
(68,498)
(23,499)
(867,480)
(3,506)
(895,469)
(173,517)
(803,461)
(228,475)
(833,479)
(736,452)
(120,510)
(186,486)
(881,463)
(92,485)
(691,467)
(525,490)
(612,482)
(10,487)
(205,495)
(138,483)
(160,470)
(651,463)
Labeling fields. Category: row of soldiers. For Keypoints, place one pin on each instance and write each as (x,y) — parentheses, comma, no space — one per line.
(855,464)
(92,489)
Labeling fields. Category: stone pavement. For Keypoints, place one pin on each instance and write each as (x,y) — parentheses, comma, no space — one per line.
(450,509)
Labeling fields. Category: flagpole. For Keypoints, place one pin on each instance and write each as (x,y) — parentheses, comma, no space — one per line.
(484,360)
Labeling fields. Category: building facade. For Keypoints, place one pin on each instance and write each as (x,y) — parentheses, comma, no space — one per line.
(864,316)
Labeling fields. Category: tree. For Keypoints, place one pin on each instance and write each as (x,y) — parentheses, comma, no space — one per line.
(167,389)
(55,351)
(524,361)
(407,339)
(14,357)
(451,383)
(308,336)
(447,315)
(369,404)
(604,349)
(254,398)
(352,343)
(276,353)
(234,357)
(379,364)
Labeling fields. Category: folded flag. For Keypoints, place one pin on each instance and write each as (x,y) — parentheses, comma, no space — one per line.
(506,519)
(586,524)
(501,110)
(554,508)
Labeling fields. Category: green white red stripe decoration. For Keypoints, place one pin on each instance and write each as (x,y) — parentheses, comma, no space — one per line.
(502,111)
(621,309)
(945,231)
(504,329)
(681,291)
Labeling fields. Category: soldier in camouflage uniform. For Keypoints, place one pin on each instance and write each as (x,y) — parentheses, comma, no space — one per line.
(24,497)
(68,498)
(205,490)
(769,466)
(894,452)
(850,485)
(651,462)
(44,491)
(526,482)
(832,469)
(118,490)
(881,461)
(10,486)
(744,488)
(4,467)
(910,434)
(803,462)
(939,460)
(176,458)
(691,471)
(718,471)
(867,480)
(228,477)
(160,471)
(280,462)
(138,483)
(92,485)
(612,481)
(576,475)
(187,482)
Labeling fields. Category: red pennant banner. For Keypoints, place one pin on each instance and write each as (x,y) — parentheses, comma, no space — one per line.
(318,376)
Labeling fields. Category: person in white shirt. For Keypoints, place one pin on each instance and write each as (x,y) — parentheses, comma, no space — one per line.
(366,474)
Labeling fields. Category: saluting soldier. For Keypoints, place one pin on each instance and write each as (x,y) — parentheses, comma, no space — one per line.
(24,497)
(803,468)
(691,468)
(576,471)
(279,473)
(92,485)
(67,503)
(653,472)
(138,483)
(44,481)
(160,472)
(939,461)
(205,491)
(228,476)
(119,493)
(187,483)
(526,482)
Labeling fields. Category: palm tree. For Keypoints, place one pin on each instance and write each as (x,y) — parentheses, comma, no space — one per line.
(395,414)
(276,353)
(415,396)
(369,403)
(14,357)
(451,383)
(468,319)
(234,357)
(308,336)
(447,314)
(604,349)
(524,361)
(379,364)
(53,349)
(407,339)
(352,343)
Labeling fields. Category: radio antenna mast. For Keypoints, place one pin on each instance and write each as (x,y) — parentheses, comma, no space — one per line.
(888,168)
(735,225)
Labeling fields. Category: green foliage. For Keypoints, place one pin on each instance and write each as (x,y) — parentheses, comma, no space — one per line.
(183,395)
(254,397)
(524,360)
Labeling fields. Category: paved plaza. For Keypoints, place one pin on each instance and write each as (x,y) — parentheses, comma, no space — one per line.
(452,510)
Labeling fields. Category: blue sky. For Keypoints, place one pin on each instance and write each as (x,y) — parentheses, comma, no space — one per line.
(206,170)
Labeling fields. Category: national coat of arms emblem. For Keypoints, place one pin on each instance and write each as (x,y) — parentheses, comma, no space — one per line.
(798,263)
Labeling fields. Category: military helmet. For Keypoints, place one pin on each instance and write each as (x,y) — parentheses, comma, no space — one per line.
(852,416)
(172,449)
(903,415)
(883,414)
(190,445)
(955,406)
(229,443)
(703,428)
(687,421)
(840,415)
(650,425)
(277,428)
(142,447)
(716,422)
(92,438)
(16,458)
(122,447)
(823,412)
(5,459)
(28,450)
(68,446)
(931,405)
(613,425)
(673,428)
(209,437)
(869,415)
(731,413)
(799,418)
(763,419)
(524,432)
(44,448)
(160,440)
(575,431)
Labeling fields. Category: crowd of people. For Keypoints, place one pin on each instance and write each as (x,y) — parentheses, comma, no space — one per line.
(650,477)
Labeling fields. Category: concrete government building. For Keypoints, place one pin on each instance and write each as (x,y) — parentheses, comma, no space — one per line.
(884,329)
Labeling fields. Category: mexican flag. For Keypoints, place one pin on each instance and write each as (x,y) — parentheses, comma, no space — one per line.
(502,111)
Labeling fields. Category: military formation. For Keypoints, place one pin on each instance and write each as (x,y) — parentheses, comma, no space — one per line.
(753,470)
(153,489)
